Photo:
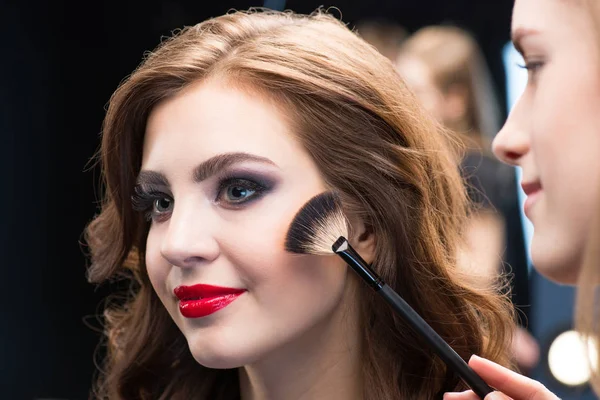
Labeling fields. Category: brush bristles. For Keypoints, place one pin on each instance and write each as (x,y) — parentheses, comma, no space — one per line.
(317,226)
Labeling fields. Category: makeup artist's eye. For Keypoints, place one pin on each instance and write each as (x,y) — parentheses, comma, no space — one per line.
(154,204)
(237,191)
(532,67)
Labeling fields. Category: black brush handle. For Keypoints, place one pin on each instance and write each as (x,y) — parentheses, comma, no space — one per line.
(443,350)
(439,345)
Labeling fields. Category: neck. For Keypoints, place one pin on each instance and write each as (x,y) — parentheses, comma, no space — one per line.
(323,363)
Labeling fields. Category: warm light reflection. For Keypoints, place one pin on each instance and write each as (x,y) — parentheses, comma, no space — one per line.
(567,359)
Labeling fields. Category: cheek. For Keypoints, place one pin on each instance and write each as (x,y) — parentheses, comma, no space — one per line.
(280,280)
(156,265)
(261,252)
(566,147)
(563,140)
(295,292)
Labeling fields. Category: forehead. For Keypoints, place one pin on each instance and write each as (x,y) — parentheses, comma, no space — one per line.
(548,16)
(210,118)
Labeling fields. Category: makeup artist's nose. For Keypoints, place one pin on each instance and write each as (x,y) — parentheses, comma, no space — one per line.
(189,239)
(512,142)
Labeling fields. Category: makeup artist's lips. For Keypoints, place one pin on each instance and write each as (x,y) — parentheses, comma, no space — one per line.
(198,301)
(533,191)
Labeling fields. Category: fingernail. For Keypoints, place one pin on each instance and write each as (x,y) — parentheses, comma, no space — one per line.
(454,395)
(494,396)
(474,357)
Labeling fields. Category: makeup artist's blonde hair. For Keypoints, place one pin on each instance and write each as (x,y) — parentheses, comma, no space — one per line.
(392,165)
(587,317)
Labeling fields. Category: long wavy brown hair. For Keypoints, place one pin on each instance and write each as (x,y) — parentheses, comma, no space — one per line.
(372,143)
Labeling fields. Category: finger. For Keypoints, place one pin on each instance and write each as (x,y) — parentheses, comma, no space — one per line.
(470,395)
(497,396)
(509,382)
(466,395)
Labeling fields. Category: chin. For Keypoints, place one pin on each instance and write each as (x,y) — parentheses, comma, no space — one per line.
(217,358)
(218,362)
(222,351)
(556,263)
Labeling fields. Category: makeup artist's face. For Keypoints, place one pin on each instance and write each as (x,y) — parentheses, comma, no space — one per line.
(224,177)
(553,133)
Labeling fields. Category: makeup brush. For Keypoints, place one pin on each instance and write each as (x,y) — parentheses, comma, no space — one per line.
(320,228)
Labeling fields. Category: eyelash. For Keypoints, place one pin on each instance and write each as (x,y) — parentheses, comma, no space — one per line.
(144,200)
(532,67)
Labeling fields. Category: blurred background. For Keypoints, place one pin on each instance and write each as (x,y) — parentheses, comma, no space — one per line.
(62,60)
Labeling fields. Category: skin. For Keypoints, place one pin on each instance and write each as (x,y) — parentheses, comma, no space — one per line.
(552,134)
(293,333)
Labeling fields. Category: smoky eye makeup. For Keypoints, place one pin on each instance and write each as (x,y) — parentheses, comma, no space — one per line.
(239,188)
(232,189)
(153,201)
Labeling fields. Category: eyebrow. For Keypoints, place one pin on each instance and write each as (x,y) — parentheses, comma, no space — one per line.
(151,178)
(219,162)
(205,170)
(518,35)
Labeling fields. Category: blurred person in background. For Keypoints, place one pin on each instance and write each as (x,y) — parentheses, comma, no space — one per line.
(386,36)
(444,67)
(553,135)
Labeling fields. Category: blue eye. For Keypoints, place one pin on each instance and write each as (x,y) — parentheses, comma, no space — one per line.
(162,205)
(237,191)
(153,203)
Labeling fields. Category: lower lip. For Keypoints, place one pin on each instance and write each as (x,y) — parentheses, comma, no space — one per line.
(530,201)
(207,306)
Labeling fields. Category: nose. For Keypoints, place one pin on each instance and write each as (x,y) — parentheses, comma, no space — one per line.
(189,238)
(512,142)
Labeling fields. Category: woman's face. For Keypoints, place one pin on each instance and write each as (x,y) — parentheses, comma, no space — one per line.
(223,177)
(419,78)
(553,133)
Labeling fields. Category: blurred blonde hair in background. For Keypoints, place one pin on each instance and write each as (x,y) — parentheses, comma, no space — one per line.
(444,67)
(588,295)
(458,69)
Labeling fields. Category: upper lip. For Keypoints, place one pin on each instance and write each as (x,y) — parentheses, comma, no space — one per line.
(531,187)
(200,291)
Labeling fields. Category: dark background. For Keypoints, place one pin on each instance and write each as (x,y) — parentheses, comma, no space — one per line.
(59,64)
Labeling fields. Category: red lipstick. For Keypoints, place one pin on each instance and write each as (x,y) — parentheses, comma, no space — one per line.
(198,301)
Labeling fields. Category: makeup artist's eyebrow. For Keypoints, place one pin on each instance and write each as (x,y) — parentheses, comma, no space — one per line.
(151,178)
(518,35)
(215,164)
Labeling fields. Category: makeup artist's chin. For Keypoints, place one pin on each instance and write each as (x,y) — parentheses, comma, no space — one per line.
(554,256)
